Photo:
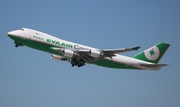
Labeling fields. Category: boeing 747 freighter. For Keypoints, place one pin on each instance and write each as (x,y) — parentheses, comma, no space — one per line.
(79,55)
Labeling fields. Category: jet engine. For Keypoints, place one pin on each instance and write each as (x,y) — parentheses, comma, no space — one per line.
(94,53)
(67,53)
(58,58)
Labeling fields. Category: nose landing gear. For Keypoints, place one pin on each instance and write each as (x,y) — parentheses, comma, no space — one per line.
(17,44)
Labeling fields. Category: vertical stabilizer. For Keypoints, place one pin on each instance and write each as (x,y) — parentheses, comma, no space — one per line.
(153,54)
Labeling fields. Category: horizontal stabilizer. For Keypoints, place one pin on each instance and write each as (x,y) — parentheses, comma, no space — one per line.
(154,65)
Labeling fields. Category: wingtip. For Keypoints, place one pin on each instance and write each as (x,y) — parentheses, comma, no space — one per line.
(136,48)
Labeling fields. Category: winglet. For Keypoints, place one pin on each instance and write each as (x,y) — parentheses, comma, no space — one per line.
(136,48)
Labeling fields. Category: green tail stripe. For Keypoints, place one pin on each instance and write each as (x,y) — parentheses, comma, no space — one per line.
(153,54)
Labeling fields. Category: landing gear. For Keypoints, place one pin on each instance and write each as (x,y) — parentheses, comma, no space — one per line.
(78,65)
(76,62)
(17,44)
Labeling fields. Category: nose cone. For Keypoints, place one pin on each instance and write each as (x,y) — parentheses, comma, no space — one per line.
(15,33)
(12,33)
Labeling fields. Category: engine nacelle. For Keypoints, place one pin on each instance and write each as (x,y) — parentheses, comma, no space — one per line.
(94,53)
(56,57)
(68,53)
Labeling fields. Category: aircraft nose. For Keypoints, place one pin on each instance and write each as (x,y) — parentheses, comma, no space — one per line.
(11,33)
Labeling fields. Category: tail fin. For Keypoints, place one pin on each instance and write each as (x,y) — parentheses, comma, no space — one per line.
(153,54)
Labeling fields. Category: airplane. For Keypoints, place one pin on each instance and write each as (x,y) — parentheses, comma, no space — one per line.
(79,55)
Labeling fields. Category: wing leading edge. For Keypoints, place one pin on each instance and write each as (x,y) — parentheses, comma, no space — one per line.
(96,53)
(112,52)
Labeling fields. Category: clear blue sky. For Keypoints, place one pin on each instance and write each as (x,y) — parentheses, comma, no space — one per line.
(29,78)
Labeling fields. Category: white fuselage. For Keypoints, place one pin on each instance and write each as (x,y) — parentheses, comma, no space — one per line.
(51,40)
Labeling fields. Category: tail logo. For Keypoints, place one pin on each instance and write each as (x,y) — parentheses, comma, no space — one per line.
(152,53)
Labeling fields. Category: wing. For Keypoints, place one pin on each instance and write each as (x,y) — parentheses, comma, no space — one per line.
(95,53)
(80,57)
(112,52)
(75,57)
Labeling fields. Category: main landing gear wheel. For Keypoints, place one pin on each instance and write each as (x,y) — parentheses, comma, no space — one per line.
(78,64)
(16,45)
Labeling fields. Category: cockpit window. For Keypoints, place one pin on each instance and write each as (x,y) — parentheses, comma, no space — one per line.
(22,29)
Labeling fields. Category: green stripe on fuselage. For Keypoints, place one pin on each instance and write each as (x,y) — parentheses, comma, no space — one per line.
(36,45)
(46,48)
